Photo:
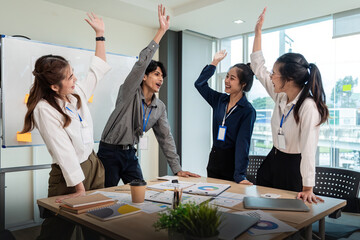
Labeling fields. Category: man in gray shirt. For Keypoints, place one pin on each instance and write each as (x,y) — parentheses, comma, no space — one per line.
(136,111)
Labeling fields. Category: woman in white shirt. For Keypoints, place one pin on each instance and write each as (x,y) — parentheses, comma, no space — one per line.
(300,109)
(57,108)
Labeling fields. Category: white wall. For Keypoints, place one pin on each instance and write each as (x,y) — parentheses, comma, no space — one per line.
(47,22)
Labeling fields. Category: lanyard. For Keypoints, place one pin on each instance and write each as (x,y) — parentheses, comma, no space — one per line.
(145,123)
(74,113)
(282,118)
(226,116)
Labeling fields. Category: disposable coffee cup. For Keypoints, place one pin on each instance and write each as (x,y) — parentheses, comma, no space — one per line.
(137,187)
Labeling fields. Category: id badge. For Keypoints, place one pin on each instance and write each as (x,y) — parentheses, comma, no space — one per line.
(86,135)
(143,142)
(281,140)
(221,133)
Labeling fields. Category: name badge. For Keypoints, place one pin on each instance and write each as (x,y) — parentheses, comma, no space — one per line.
(143,142)
(221,133)
(86,135)
(84,124)
(281,140)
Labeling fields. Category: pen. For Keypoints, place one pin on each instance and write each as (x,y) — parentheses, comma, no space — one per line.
(181,191)
(122,189)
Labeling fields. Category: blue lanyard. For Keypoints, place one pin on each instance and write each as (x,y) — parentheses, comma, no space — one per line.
(282,119)
(74,113)
(145,123)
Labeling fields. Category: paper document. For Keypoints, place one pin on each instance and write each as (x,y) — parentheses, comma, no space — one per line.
(168,178)
(228,199)
(170,186)
(208,189)
(267,224)
(167,197)
(146,206)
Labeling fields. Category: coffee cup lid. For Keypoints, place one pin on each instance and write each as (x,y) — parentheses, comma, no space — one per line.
(137,182)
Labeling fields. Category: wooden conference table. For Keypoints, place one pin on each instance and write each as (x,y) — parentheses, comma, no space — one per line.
(139,226)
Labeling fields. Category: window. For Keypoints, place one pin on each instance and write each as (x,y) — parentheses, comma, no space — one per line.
(339,141)
(234,48)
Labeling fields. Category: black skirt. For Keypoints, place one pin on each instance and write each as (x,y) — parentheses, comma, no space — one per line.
(221,164)
(280,170)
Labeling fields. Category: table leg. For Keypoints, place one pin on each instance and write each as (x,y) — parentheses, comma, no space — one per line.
(308,232)
(322,228)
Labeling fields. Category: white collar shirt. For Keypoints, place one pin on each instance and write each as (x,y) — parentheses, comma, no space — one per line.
(299,138)
(69,146)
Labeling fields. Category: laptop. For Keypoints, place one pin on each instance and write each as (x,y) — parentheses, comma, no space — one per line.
(280,204)
(234,225)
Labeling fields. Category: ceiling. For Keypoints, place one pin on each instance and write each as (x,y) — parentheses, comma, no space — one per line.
(212,17)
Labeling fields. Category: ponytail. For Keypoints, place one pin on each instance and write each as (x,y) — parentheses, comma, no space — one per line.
(294,66)
(245,75)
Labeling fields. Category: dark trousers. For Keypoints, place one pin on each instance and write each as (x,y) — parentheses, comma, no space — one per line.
(280,170)
(119,164)
(221,163)
(55,227)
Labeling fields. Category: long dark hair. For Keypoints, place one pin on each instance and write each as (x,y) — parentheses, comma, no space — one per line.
(294,67)
(49,70)
(245,75)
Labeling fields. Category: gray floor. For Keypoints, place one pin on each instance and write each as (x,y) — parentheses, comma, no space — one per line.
(351,219)
(31,233)
(27,233)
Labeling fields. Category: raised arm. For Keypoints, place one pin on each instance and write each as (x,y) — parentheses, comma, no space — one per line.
(164,22)
(219,56)
(98,66)
(258,27)
(201,84)
(135,77)
(258,61)
(99,27)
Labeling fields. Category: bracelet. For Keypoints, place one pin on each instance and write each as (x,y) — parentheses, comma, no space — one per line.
(100,39)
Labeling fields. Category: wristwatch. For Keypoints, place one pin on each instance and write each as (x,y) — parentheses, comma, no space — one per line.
(100,39)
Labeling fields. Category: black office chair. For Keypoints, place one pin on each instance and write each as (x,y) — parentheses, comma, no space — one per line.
(254,164)
(339,183)
(343,184)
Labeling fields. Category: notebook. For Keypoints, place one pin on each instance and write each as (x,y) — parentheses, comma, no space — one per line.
(234,225)
(83,209)
(87,200)
(281,204)
(114,211)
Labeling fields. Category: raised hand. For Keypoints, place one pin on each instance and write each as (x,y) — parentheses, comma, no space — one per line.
(164,20)
(260,21)
(96,23)
(258,27)
(220,55)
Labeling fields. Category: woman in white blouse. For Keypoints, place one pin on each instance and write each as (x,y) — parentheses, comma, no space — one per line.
(57,107)
(300,109)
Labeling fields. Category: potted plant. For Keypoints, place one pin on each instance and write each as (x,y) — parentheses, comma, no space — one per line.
(190,221)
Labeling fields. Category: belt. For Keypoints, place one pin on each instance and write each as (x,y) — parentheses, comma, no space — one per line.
(113,146)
